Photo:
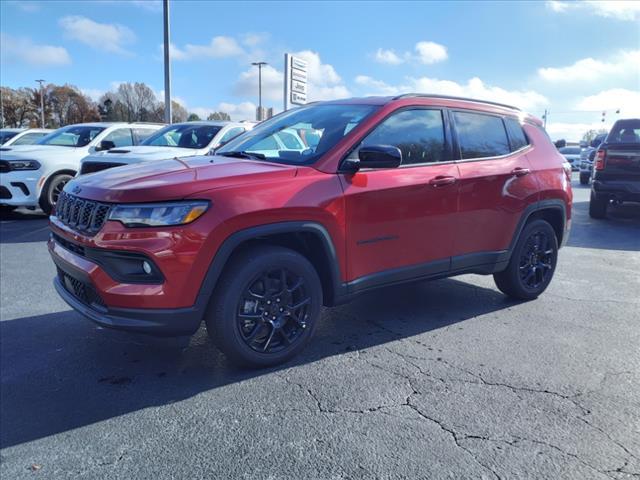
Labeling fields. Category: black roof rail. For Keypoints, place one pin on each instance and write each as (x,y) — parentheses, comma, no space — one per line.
(451,97)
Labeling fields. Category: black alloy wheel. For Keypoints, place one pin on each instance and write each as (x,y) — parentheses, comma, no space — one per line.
(536,260)
(273,311)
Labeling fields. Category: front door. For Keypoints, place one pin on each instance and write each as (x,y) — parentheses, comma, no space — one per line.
(400,221)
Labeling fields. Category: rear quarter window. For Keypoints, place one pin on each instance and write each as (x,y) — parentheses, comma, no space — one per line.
(480,135)
(517,138)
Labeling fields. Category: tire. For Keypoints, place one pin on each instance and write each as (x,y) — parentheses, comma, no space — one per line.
(584,178)
(51,190)
(244,319)
(598,206)
(532,264)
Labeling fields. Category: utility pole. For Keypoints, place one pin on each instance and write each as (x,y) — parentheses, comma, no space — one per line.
(259,65)
(167,64)
(41,103)
(544,117)
(1,110)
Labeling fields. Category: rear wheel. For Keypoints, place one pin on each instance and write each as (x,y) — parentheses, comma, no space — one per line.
(598,205)
(52,190)
(532,263)
(265,306)
(584,178)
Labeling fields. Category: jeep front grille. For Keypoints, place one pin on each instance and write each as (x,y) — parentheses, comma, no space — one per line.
(85,216)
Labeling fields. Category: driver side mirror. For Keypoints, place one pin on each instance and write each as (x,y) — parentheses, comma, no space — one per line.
(105,145)
(379,156)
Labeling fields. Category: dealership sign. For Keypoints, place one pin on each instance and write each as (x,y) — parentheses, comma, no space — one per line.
(295,81)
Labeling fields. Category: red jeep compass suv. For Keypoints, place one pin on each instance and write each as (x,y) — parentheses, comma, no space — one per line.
(311,208)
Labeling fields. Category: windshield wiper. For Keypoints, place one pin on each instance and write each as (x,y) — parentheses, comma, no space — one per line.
(243,154)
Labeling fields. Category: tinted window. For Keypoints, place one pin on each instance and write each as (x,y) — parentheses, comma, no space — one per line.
(143,133)
(290,141)
(419,134)
(517,138)
(4,136)
(625,131)
(231,134)
(480,135)
(184,136)
(72,136)
(120,137)
(30,138)
(330,122)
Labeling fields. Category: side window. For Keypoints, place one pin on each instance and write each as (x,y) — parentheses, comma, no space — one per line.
(419,134)
(30,138)
(480,135)
(231,134)
(120,137)
(517,138)
(142,134)
(290,141)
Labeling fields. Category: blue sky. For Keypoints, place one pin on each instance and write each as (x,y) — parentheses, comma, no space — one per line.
(573,58)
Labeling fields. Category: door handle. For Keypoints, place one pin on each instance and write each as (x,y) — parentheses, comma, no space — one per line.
(520,172)
(442,180)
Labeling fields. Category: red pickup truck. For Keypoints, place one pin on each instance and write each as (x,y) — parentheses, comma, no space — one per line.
(311,208)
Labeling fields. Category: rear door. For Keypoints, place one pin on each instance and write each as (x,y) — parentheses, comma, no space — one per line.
(496,184)
(400,222)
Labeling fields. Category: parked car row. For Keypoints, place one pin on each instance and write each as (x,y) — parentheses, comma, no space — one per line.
(34,175)
(587,155)
(22,136)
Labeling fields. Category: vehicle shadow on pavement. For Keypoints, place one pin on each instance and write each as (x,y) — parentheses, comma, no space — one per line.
(619,231)
(23,226)
(60,372)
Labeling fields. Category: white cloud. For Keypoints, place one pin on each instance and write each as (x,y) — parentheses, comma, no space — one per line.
(109,37)
(474,88)
(425,53)
(627,101)
(389,57)
(324,83)
(430,52)
(238,111)
(621,10)
(590,69)
(27,6)
(23,50)
(573,132)
(218,47)
(93,93)
(253,39)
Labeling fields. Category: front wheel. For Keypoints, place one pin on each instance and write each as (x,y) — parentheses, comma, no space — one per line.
(51,191)
(532,263)
(265,306)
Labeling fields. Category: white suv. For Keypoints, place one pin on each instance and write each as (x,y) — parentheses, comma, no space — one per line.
(22,136)
(178,140)
(34,175)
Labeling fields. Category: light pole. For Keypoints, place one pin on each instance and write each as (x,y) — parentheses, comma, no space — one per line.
(41,103)
(259,65)
(167,64)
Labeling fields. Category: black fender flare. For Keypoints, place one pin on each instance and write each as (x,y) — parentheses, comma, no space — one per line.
(555,204)
(235,239)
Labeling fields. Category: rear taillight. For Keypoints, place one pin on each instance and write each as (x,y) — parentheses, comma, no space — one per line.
(601,156)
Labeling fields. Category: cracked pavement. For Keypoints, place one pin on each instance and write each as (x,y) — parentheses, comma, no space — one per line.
(447,379)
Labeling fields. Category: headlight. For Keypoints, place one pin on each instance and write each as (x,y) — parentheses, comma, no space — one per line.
(155,214)
(23,165)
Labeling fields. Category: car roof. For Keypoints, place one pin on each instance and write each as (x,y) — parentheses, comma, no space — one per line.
(215,123)
(12,129)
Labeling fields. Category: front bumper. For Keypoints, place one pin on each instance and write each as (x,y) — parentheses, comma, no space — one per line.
(20,188)
(75,287)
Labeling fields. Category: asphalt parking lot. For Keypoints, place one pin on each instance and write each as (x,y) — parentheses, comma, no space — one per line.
(447,379)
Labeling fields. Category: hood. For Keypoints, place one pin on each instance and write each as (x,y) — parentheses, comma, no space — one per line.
(34,151)
(140,153)
(173,179)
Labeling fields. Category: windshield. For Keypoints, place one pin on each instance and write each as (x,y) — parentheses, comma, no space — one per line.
(625,131)
(183,136)
(300,136)
(570,150)
(4,136)
(72,136)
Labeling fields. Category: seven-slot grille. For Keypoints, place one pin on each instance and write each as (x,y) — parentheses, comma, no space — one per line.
(85,216)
